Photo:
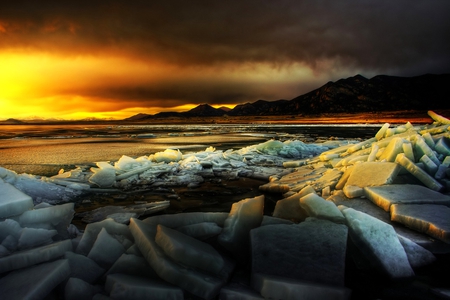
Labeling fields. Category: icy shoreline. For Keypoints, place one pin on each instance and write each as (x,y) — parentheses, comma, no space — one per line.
(379,207)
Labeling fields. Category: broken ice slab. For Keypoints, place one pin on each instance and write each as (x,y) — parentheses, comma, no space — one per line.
(168,155)
(320,208)
(353,191)
(417,172)
(93,229)
(106,249)
(188,251)
(373,174)
(12,201)
(201,231)
(394,147)
(438,118)
(428,218)
(443,146)
(289,208)
(76,289)
(132,265)
(35,282)
(275,287)
(34,256)
(379,242)
(417,255)
(103,177)
(184,219)
(9,227)
(312,251)
(83,267)
(386,195)
(122,286)
(243,217)
(33,237)
(198,283)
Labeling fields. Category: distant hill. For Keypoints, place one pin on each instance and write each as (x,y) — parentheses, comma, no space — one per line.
(353,94)
(12,121)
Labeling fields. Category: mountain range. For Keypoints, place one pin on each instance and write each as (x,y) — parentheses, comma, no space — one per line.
(353,94)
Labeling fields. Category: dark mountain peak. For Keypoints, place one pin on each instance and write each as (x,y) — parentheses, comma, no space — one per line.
(205,110)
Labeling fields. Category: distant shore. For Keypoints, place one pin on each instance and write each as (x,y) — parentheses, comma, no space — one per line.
(394,117)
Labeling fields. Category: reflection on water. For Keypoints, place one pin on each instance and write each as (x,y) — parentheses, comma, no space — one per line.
(45,149)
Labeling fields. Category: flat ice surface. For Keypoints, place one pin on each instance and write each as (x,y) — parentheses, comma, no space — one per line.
(373,174)
(313,251)
(35,282)
(385,196)
(379,242)
(12,201)
(188,250)
(428,218)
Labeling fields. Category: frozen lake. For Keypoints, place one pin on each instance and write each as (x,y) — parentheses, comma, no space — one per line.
(45,149)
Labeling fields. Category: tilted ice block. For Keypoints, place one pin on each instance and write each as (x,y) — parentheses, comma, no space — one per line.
(132,265)
(421,148)
(34,256)
(10,243)
(83,267)
(431,219)
(417,255)
(382,131)
(373,174)
(312,251)
(429,140)
(93,229)
(35,282)
(168,155)
(275,287)
(443,146)
(420,174)
(188,251)
(343,180)
(430,167)
(126,163)
(363,144)
(408,150)
(394,147)
(320,208)
(7,176)
(9,227)
(201,231)
(379,242)
(76,289)
(122,286)
(12,201)
(33,237)
(195,282)
(289,208)
(184,219)
(440,174)
(243,217)
(386,195)
(106,249)
(438,118)
(103,177)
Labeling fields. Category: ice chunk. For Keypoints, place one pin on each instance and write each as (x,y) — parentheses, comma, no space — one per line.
(201,231)
(168,155)
(417,255)
(32,237)
(394,147)
(83,267)
(188,251)
(353,191)
(35,282)
(320,208)
(312,251)
(380,134)
(274,287)
(385,196)
(78,289)
(429,165)
(244,216)
(343,180)
(443,146)
(103,177)
(133,265)
(379,242)
(9,227)
(421,148)
(289,208)
(420,174)
(438,118)
(10,243)
(126,163)
(239,292)
(34,256)
(195,282)
(106,249)
(121,286)
(267,220)
(428,218)
(184,219)
(373,174)
(12,201)
(93,229)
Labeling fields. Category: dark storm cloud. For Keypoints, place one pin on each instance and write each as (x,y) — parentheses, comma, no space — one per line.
(403,36)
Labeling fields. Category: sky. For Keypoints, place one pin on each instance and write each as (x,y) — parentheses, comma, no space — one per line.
(114,59)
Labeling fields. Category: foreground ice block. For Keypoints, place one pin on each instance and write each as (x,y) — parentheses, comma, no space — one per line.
(417,255)
(34,256)
(312,251)
(379,242)
(386,195)
(243,217)
(106,249)
(76,289)
(320,208)
(83,267)
(123,287)
(103,177)
(35,282)
(12,201)
(198,283)
(428,218)
(131,264)
(188,251)
(373,174)
(289,208)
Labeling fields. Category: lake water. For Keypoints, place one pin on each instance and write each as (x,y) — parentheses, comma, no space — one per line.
(45,149)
